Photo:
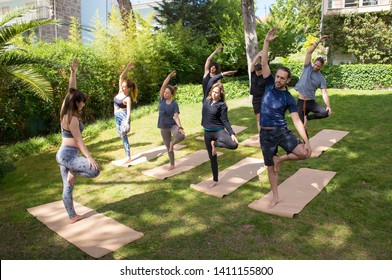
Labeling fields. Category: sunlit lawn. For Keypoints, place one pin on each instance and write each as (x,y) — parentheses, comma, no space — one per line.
(349,219)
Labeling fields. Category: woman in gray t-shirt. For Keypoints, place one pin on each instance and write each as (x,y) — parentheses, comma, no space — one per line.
(169,120)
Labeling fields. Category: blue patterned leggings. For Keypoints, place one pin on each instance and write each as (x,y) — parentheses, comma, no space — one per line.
(70,161)
(121,116)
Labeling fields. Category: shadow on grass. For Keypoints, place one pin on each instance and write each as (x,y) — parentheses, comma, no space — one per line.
(349,219)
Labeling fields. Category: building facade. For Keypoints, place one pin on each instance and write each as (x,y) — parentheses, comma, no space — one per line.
(83,10)
(333,7)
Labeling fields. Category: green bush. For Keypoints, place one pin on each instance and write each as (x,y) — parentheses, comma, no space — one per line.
(350,76)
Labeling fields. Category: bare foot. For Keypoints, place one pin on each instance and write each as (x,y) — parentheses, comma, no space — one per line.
(171,167)
(273,202)
(71,178)
(213,152)
(276,164)
(76,218)
(171,147)
(213,184)
(126,162)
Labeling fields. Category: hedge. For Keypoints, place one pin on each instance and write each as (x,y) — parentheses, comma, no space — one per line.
(350,76)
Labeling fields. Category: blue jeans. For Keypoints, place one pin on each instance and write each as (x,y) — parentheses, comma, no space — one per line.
(70,161)
(120,116)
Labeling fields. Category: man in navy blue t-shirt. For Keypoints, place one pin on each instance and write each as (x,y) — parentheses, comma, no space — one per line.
(273,125)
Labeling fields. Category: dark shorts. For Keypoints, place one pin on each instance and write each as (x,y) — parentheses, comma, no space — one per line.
(256,102)
(271,139)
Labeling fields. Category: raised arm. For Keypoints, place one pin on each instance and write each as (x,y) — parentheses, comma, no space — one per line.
(165,83)
(255,61)
(124,74)
(72,76)
(308,57)
(214,79)
(209,59)
(270,36)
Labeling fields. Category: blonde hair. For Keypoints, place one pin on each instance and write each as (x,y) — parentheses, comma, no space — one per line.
(132,85)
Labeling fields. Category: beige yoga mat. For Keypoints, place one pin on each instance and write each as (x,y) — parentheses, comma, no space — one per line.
(252,141)
(236,128)
(148,155)
(232,178)
(183,164)
(295,192)
(96,234)
(323,140)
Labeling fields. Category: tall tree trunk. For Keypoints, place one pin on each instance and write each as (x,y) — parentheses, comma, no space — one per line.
(248,15)
(125,9)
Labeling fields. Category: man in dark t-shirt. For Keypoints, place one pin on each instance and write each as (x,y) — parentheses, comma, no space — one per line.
(274,131)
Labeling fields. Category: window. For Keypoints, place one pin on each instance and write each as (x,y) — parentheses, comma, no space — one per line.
(350,3)
(369,2)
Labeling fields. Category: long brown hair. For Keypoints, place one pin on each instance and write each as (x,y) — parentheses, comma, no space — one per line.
(132,85)
(222,91)
(70,104)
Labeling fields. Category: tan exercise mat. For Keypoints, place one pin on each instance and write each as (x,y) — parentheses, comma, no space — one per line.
(96,234)
(148,155)
(232,178)
(323,140)
(236,128)
(252,141)
(295,192)
(183,164)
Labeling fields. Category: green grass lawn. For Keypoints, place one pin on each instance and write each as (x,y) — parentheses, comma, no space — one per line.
(349,219)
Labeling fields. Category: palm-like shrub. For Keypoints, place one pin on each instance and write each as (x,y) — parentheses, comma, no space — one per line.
(16,63)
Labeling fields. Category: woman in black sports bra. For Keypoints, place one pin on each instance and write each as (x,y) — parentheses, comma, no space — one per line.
(122,111)
(68,157)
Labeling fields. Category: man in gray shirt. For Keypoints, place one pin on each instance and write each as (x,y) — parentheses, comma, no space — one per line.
(310,80)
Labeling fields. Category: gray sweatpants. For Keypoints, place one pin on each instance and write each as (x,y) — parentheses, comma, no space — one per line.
(167,138)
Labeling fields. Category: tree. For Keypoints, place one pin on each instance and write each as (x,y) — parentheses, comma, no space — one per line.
(295,19)
(126,10)
(252,46)
(15,63)
(201,16)
(366,37)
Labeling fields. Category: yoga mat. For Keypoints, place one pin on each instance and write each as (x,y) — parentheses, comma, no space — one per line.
(323,140)
(183,164)
(232,178)
(295,192)
(148,155)
(252,141)
(96,234)
(236,128)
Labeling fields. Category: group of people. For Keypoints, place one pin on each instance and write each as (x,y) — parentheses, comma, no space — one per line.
(271,99)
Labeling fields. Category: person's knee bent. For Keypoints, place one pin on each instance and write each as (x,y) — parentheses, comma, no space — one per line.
(180,137)
(300,151)
(234,145)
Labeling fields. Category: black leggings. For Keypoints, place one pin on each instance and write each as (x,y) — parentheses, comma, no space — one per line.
(222,139)
(319,111)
